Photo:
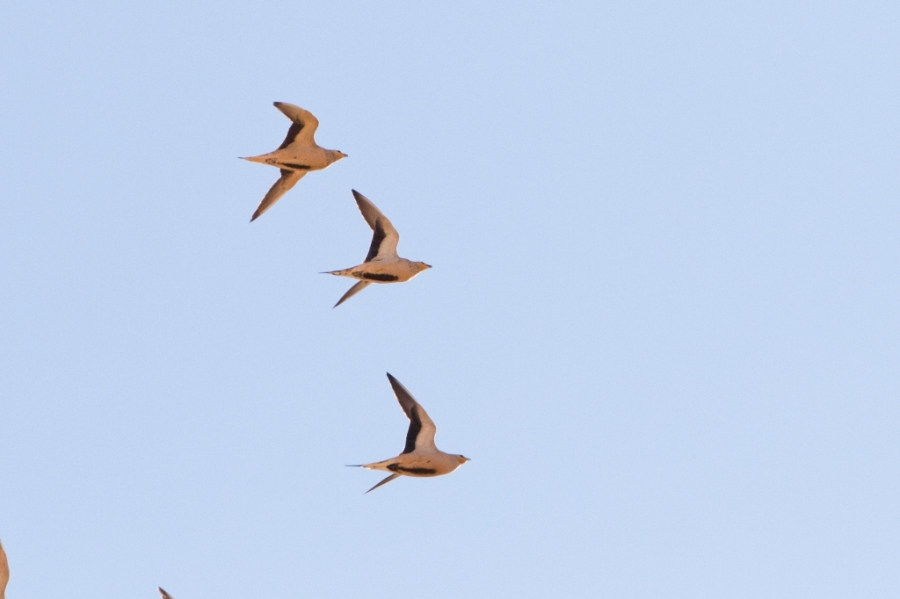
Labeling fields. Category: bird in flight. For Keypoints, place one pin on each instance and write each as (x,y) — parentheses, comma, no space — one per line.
(4,572)
(420,457)
(296,156)
(382,264)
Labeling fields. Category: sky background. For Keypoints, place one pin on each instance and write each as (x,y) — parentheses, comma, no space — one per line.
(662,319)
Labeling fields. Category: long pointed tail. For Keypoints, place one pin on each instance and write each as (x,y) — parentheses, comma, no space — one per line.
(262,158)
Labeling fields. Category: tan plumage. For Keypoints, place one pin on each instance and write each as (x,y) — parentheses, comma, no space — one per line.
(4,572)
(420,457)
(382,264)
(297,155)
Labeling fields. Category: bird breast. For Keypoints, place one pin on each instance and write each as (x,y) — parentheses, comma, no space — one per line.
(313,157)
(427,464)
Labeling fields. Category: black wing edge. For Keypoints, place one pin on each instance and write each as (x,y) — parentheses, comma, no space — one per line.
(291,135)
(377,237)
(410,407)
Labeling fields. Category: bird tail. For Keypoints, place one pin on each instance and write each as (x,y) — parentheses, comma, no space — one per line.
(260,159)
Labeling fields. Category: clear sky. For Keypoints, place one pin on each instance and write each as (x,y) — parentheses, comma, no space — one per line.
(662,319)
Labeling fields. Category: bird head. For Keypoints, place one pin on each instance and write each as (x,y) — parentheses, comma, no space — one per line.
(334,155)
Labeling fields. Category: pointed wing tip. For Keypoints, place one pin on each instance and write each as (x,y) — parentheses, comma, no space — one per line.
(394,382)
(362,201)
(383,481)
(359,286)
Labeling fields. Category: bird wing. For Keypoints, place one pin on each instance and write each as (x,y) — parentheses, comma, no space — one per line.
(384,237)
(288,179)
(4,572)
(384,241)
(384,481)
(367,208)
(352,291)
(164,594)
(303,130)
(421,428)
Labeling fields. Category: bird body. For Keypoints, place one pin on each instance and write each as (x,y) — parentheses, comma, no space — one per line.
(298,159)
(420,457)
(382,264)
(297,155)
(431,463)
(393,271)
(4,572)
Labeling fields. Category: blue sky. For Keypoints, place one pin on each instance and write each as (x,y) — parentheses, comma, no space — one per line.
(662,318)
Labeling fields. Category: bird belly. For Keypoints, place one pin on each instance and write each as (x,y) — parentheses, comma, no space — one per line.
(421,465)
(304,159)
(380,272)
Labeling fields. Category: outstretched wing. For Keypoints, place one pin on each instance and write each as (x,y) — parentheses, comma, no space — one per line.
(352,291)
(384,237)
(384,241)
(288,179)
(421,428)
(367,208)
(384,481)
(303,129)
